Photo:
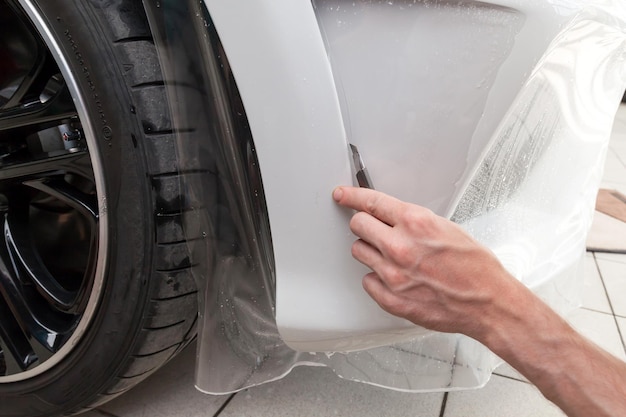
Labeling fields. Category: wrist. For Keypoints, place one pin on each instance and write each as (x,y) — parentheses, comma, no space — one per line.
(526,333)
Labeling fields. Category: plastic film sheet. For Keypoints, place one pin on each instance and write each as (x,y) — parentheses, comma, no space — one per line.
(530,200)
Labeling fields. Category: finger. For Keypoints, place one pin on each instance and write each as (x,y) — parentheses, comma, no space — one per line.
(392,302)
(367,255)
(379,205)
(370,229)
(375,287)
(378,263)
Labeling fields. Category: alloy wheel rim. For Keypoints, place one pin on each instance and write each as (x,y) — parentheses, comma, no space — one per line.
(52,203)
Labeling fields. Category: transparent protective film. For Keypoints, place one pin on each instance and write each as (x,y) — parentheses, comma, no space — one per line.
(227,226)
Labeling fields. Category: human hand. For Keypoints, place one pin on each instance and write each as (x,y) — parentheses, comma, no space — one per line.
(426,268)
(431,272)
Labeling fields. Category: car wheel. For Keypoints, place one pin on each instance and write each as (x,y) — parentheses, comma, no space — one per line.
(96,291)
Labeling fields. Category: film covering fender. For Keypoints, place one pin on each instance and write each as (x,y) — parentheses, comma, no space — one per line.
(513,199)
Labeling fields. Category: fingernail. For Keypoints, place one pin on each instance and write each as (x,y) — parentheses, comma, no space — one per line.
(337,194)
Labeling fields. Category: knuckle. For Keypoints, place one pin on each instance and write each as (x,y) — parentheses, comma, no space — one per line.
(409,215)
(417,218)
(393,305)
(400,252)
(395,278)
(372,205)
(385,295)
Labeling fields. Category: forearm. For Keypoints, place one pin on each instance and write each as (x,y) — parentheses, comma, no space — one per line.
(568,369)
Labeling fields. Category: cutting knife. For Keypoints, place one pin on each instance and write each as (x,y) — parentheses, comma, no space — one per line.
(362,176)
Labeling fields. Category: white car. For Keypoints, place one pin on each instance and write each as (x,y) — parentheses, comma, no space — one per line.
(166,171)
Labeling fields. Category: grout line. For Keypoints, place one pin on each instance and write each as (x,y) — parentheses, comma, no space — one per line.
(219,411)
(606,293)
(621,336)
(596,311)
(512,378)
(443,404)
(619,331)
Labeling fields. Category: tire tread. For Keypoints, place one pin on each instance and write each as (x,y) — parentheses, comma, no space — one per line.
(169,321)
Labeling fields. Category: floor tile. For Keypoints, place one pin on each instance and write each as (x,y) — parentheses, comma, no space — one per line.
(499,398)
(607,234)
(170,392)
(614,257)
(618,141)
(599,328)
(619,149)
(594,298)
(594,294)
(618,136)
(614,277)
(318,392)
(614,169)
(619,126)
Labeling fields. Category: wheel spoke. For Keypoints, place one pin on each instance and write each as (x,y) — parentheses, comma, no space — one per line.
(38,322)
(34,82)
(40,115)
(73,162)
(86,204)
(17,354)
(30,264)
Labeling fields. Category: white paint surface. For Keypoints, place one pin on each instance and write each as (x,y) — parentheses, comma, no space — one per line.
(425,88)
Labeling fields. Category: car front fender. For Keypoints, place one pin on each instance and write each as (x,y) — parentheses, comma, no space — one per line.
(495,114)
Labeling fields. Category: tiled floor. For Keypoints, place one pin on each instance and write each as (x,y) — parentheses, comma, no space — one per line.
(317,392)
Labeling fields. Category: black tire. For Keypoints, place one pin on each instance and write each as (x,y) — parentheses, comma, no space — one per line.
(146,311)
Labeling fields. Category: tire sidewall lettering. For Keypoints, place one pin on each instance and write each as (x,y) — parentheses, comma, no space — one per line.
(106,130)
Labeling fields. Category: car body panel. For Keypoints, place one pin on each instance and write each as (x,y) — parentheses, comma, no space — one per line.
(424,88)
(293,109)
(506,138)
